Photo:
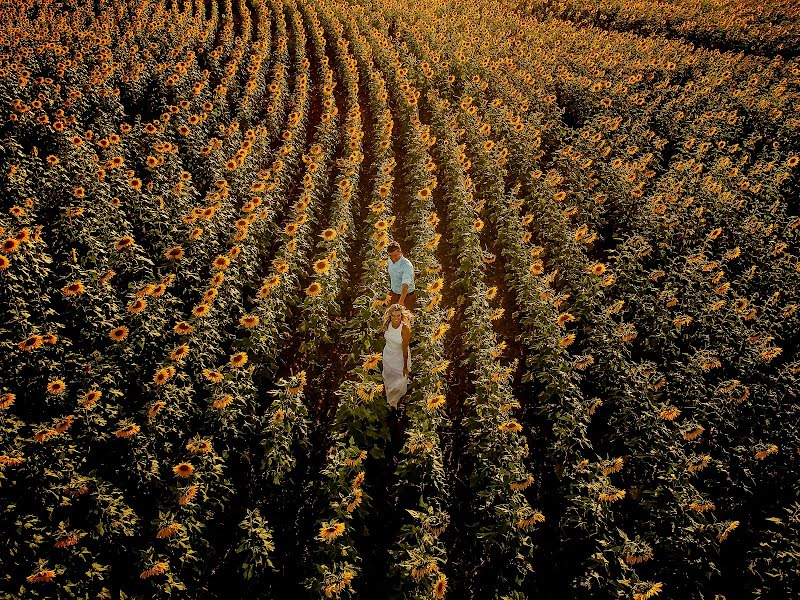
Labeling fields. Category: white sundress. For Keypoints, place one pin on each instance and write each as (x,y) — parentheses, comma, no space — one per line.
(395,384)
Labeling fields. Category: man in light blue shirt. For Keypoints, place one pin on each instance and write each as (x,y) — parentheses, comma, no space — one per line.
(401,277)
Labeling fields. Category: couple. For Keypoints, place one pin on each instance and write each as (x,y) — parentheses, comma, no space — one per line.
(397,322)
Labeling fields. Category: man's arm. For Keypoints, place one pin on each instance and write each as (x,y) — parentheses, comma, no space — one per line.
(408,277)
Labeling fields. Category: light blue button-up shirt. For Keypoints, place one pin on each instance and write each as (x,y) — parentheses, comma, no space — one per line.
(399,273)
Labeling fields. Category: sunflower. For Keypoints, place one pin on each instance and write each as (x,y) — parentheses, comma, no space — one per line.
(56,387)
(127,431)
(76,288)
(372,361)
(314,289)
(644,590)
(222,402)
(188,495)
(440,331)
(163,375)
(611,494)
(123,243)
(118,334)
(221,262)
(6,400)
(31,343)
(435,286)
(435,402)
(440,587)
(183,328)
(511,427)
(597,269)
(180,352)
(329,235)
(564,318)
(41,575)
(137,306)
(213,376)
(491,293)
(249,321)
(201,310)
(199,447)
(183,470)
(239,359)
(322,266)
(330,531)
(537,267)
(90,398)
(175,253)
(4,263)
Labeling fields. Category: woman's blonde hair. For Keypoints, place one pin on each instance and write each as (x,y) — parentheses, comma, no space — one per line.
(406,319)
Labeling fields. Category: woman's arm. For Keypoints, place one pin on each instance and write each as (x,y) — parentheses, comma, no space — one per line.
(406,339)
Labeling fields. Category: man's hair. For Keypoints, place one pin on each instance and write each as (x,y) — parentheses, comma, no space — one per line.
(392,247)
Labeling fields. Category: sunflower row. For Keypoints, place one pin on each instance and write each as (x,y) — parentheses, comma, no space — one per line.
(330,262)
(358,426)
(418,551)
(495,449)
(737,26)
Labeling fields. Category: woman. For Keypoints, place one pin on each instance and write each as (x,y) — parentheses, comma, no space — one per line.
(396,354)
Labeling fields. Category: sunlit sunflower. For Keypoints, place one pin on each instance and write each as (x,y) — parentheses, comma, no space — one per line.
(213,376)
(76,288)
(435,402)
(183,470)
(239,359)
(314,289)
(90,398)
(440,587)
(183,328)
(249,321)
(127,431)
(123,243)
(175,253)
(31,343)
(164,375)
(330,531)
(322,266)
(180,353)
(118,334)
(221,262)
(56,387)
(597,269)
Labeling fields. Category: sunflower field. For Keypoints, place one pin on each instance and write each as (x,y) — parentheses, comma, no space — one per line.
(601,204)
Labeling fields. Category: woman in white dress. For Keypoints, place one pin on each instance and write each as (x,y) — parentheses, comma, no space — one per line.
(396,354)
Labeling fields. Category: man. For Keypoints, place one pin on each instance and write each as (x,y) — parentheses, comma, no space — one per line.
(401,277)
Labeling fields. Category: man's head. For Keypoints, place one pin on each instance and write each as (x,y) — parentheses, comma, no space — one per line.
(394,251)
